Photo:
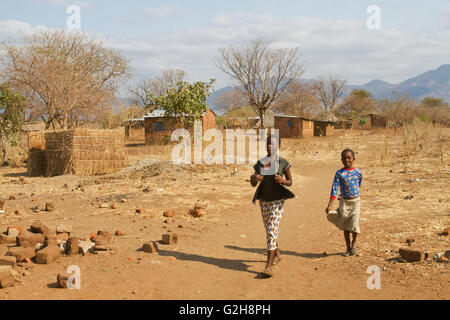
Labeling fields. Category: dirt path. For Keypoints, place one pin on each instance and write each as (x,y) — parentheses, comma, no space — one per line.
(220,256)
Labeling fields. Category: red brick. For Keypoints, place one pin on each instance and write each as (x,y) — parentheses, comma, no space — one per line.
(196,213)
(6,279)
(169,214)
(101,240)
(17,228)
(170,238)
(62,278)
(412,255)
(30,240)
(39,227)
(48,254)
(8,261)
(150,247)
(120,233)
(72,246)
(21,253)
(4,239)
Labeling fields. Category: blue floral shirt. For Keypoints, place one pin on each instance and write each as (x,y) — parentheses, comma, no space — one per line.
(348,181)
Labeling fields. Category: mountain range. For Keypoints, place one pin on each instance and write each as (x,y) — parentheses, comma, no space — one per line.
(433,83)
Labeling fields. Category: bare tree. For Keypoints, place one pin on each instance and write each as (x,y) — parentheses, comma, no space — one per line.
(399,110)
(298,99)
(231,100)
(263,73)
(329,90)
(435,109)
(147,89)
(358,103)
(66,77)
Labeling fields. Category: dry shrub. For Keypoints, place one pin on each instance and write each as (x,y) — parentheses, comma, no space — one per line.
(418,143)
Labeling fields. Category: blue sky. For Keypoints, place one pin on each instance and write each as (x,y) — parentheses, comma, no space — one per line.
(332,34)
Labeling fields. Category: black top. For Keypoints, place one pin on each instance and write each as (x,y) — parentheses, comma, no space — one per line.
(269,190)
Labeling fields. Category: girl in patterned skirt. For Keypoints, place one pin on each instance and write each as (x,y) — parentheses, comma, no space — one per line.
(346,218)
(272,193)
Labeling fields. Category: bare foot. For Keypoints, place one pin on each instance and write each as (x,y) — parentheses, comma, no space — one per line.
(268,272)
(277,259)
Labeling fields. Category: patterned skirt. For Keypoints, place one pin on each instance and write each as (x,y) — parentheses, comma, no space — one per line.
(271,213)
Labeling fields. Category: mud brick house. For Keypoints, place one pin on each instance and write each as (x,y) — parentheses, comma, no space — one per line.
(134,129)
(323,128)
(297,127)
(159,127)
(307,127)
(371,121)
(288,126)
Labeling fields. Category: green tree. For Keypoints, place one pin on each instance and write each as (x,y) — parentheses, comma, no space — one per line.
(186,102)
(12,106)
(432,102)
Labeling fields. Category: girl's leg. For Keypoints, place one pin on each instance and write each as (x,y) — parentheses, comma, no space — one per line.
(347,240)
(273,223)
(277,254)
(355,235)
(354,251)
(270,260)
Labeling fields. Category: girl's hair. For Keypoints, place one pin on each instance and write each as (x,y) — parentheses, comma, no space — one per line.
(273,136)
(348,150)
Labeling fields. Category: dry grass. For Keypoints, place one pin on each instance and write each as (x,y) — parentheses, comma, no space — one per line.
(80,151)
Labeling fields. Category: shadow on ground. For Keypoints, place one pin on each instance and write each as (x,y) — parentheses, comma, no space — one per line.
(284,252)
(231,264)
(16,175)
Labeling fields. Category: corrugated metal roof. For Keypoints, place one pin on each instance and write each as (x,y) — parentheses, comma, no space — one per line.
(134,120)
(160,113)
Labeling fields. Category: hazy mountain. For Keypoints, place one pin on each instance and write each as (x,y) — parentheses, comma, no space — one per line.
(435,83)
(216,94)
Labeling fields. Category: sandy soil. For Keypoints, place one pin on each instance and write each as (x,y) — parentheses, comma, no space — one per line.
(220,255)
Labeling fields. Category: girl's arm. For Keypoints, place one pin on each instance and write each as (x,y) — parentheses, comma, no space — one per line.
(288,181)
(255,178)
(334,193)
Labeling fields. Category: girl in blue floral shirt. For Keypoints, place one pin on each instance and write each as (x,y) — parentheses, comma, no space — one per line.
(348,181)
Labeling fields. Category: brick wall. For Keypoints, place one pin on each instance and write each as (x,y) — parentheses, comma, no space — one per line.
(308,128)
(286,130)
(209,121)
(170,124)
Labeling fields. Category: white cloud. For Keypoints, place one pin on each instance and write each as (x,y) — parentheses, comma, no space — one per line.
(66,3)
(346,48)
(13,28)
(163,11)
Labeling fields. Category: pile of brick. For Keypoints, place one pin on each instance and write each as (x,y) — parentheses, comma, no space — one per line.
(43,245)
